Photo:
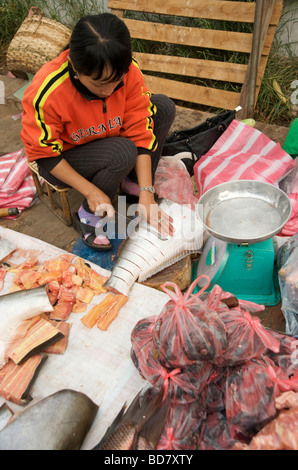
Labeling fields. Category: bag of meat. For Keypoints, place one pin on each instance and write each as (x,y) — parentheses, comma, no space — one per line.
(216,434)
(181,385)
(286,359)
(247,338)
(250,393)
(279,434)
(187,330)
(213,394)
(140,337)
(183,426)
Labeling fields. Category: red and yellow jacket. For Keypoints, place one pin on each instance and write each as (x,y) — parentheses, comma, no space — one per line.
(57,115)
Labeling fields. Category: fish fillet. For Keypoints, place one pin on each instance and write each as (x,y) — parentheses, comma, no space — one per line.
(144,254)
(16,380)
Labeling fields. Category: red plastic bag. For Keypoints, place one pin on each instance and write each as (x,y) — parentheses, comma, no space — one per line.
(278,434)
(181,385)
(286,359)
(183,425)
(216,435)
(187,330)
(246,338)
(141,337)
(213,395)
(172,181)
(250,393)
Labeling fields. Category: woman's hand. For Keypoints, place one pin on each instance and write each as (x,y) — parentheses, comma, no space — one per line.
(154,215)
(99,202)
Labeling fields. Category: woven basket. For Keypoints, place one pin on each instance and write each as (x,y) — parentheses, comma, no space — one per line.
(37,41)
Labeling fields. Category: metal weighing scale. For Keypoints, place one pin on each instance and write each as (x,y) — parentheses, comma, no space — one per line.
(241,218)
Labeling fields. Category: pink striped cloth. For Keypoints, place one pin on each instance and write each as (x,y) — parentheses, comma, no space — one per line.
(17,187)
(241,152)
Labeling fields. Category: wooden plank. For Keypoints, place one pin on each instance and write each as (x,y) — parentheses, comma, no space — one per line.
(271,16)
(204,38)
(193,93)
(200,38)
(208,9)
(211,69)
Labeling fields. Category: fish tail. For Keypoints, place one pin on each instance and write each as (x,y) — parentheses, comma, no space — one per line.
(111,429)
(149,435)
(140,411)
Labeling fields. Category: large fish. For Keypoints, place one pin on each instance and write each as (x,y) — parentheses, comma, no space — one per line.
(58,422)
(145,254)
(140,427)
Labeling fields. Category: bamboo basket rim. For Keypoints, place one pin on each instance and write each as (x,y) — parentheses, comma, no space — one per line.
(38,40)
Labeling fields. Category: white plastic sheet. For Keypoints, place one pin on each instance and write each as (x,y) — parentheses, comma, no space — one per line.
(96,362)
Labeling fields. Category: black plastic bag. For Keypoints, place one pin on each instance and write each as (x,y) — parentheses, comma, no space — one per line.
(199,139)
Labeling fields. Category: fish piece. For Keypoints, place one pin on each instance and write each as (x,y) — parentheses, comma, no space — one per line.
(123,433)
(84,272)
(48,276)
(79,307)
(106,319)
(67,281)
(118,285)
(58,422)
(61,310)
(60,346)
(30,263)
(39,336)
(16,307)
(61,263)
(85,294)
(18,379)
(92,317)
(15,288)
(5,415)
(53,286)
(96,281)
(145,254)
(129,266)
(7,247)
(120,272)
(53,297)
(29,278)
(66,294)
(77,280)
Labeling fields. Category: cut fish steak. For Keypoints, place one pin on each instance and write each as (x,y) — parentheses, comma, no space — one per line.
(144,254)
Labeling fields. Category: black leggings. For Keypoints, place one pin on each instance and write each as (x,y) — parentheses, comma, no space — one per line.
(105,162)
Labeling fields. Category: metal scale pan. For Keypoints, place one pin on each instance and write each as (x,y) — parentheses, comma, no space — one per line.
(242,217)
(244,211)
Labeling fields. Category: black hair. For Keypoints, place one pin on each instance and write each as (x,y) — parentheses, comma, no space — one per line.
(98,41)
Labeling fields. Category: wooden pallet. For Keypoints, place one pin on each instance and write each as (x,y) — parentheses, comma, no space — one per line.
(216,40)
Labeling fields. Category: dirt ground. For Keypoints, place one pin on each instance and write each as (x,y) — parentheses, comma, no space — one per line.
(40,222)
